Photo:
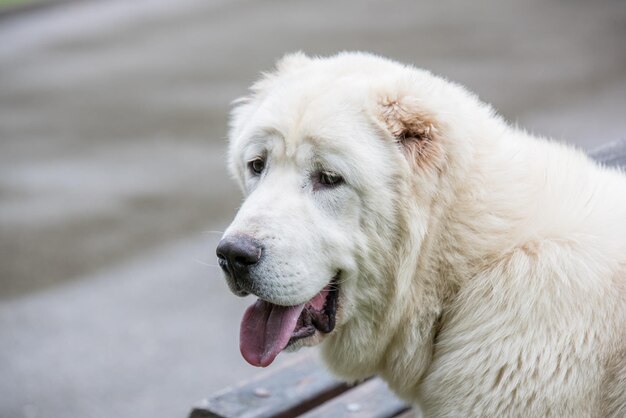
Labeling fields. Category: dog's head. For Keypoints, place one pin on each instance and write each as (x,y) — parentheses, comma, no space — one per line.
(338,160)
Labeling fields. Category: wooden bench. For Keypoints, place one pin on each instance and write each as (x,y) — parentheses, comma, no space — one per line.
(302,387)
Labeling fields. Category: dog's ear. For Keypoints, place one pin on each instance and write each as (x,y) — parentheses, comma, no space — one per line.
(414,129)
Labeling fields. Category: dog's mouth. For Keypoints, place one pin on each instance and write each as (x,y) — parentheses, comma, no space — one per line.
(267,329)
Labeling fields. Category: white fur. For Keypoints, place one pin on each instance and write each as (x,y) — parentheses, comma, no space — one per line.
(485,276)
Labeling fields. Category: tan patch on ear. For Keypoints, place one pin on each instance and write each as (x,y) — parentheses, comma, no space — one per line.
(417,131)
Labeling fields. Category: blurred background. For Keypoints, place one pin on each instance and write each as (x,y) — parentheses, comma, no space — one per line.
(113,188)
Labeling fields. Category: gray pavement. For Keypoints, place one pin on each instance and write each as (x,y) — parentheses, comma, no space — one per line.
(112,139)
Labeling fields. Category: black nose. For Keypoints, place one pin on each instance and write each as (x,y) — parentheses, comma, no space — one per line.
(237,253)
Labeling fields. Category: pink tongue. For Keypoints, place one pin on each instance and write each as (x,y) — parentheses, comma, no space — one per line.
(265,331)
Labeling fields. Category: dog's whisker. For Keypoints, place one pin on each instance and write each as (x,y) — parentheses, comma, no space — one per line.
(205,264)
(338,282)
(213,232)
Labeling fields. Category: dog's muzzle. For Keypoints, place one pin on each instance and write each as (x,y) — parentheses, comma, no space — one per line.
(237,254)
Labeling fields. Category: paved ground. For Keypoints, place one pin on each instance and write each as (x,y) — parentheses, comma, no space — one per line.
(112,125)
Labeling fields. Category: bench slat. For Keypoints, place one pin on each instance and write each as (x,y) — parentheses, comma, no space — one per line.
(281,392)
(372,399)
(410,413)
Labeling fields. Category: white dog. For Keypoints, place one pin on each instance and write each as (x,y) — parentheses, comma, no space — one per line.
(399,222)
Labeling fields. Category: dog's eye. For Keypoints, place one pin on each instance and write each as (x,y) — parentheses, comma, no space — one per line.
(256,166)
(328,178)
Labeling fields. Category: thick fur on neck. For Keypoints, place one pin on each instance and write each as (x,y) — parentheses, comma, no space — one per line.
(419,280)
